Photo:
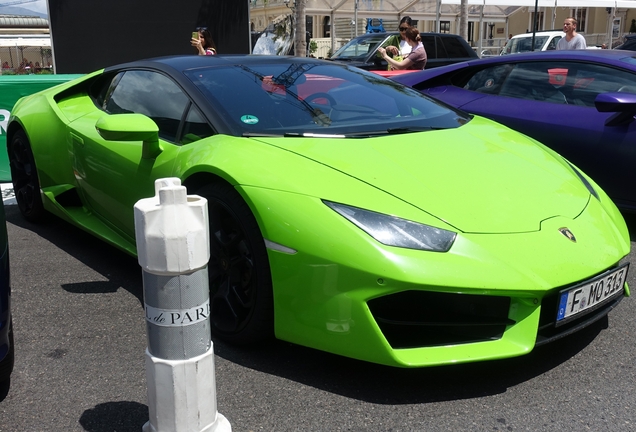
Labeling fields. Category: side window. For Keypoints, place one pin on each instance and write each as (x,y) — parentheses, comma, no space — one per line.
(195,127)
(454,48)
(489,80)
(553,43)
(430,47)
(102,88)
(537,81)
(588,81)
(572,83)
(152,94)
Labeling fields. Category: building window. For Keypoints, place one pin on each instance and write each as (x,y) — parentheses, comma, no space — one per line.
(581,17)
(616,28)
(444,26)
(539,21)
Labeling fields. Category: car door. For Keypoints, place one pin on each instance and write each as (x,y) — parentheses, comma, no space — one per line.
(553,102)
(113,175)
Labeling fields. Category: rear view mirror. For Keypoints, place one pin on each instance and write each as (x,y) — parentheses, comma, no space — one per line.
(131,127)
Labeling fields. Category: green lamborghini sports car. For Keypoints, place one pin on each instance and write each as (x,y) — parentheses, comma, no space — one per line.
(348,213)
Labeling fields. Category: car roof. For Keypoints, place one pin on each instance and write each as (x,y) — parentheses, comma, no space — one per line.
(369,35)
(540,33)
(183,62)
(582,55)
(617,58)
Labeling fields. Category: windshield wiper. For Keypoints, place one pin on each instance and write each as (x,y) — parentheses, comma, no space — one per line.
(261,135)
(402,130)
(312,135)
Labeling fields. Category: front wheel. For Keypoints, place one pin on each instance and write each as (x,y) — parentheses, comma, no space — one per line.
(6,365)
(24,175)
(241,299)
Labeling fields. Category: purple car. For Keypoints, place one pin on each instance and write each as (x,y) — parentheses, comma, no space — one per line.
(580,103)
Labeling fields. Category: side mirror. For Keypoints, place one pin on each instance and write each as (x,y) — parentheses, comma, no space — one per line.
(622,104)
(131,127)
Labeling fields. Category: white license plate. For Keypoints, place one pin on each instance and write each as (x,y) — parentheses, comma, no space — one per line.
(591,294)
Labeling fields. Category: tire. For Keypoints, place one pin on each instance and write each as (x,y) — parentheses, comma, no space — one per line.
(24,176)
(6,365)
(241,298)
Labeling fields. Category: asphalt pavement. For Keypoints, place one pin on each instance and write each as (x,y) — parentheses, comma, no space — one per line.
(80,343)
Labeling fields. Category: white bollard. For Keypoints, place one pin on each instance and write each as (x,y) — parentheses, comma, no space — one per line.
(173,249)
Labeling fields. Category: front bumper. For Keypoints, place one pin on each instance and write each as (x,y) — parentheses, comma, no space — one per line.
(490,297)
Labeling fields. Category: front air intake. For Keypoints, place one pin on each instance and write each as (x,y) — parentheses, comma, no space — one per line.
(413,319)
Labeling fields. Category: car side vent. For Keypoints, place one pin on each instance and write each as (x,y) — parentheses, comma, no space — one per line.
(69,198)
(412,319)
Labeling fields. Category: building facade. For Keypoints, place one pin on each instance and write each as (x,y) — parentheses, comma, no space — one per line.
(489,27)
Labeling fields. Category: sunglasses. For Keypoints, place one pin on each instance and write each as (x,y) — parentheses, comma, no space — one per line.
(201,28)
(404,28)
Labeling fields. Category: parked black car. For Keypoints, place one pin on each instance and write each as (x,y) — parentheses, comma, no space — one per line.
(441,49)
(628,44)
(6,328)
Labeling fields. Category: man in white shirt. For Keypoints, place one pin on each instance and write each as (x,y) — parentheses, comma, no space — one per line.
(572,39)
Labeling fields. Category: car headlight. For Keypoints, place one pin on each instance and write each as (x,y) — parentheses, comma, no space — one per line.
(394,231)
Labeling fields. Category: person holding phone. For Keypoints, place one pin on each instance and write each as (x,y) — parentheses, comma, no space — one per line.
(202,41)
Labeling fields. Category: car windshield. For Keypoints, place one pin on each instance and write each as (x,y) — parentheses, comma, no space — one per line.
(359,48)
(295,98)
(524,44)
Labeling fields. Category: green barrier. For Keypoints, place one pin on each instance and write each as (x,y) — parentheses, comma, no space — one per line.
(12,88)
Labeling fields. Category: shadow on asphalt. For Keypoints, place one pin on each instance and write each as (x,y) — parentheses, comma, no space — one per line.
(388,385)
(630,220)
(89,250)
(4,389)
(115,416)
(343,376)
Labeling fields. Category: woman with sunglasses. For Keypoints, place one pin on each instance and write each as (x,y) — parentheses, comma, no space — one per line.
(416,59)
(397,46)
(204,43)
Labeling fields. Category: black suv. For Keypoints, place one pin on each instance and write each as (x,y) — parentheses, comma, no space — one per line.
(441,49)
(629,43)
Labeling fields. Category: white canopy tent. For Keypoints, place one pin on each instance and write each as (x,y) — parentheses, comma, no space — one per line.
(25,42)
(13,47)
(491,10)
(420,9)
(393,9)
(611,4)
(552,3)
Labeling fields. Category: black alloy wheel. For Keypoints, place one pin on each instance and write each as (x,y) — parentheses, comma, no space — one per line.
(6,365)
(241,299)
(24,176)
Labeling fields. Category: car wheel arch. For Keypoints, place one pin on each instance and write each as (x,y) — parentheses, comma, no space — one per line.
(197,181)
(255,322)
(15,126)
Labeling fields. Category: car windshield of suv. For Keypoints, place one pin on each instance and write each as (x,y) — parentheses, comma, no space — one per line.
(359,48)
(629,44)
(524,44)
(301,98)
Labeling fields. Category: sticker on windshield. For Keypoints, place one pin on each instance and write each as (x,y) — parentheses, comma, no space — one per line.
(249,119)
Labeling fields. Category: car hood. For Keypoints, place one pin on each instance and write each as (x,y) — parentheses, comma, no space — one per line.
(480,178)
(362,64)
